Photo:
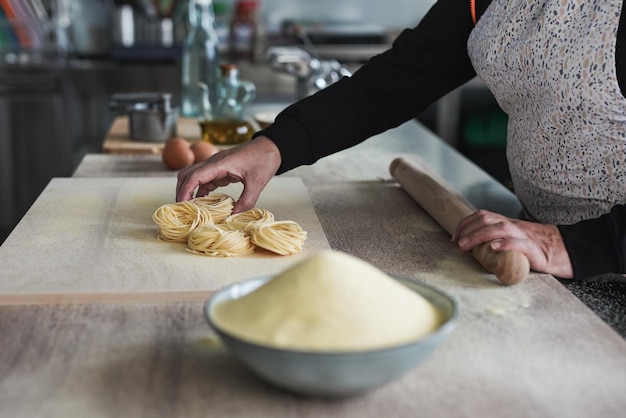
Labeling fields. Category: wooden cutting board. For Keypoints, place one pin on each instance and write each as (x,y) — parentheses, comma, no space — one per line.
(93,240)
(118,141)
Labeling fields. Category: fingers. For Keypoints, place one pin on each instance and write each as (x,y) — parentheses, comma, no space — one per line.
(479,227)
(205,189)
(247,200)
(462,227)
(530,249)
(541,244)
(524,246)
(182,179)
(501,233)
(205,176)
(251,191)
(253,164)
(474,235)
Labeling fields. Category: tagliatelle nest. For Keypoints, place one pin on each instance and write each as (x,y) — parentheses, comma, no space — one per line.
(177,220)
(280,237)
(208,227)
(249,219)
(219,204)
(219,241)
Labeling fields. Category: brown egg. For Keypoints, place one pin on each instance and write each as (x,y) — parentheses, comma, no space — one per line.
(177,153)
(203,150)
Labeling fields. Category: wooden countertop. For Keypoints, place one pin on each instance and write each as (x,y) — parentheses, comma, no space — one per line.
(531,350)
(118,141)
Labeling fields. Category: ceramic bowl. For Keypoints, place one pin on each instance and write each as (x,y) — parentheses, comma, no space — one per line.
(333,374)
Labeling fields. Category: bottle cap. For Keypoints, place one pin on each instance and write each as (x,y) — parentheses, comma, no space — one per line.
(227,68)
(247,6)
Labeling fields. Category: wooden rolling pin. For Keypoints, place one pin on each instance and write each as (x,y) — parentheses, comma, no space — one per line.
(448,208)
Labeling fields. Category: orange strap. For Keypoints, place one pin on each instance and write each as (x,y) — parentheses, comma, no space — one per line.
(473,11)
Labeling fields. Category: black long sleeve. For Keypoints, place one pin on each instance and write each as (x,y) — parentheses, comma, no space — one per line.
(598,245)
(423,64)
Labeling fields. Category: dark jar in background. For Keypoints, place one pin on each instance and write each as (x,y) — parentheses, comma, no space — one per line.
(244,30)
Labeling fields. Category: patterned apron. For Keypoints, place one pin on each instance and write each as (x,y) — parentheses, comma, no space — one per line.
(551,66)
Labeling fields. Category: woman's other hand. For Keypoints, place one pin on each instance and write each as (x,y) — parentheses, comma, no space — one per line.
(253,164)
(542,244)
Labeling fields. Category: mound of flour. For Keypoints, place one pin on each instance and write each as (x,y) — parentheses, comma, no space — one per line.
(329,302)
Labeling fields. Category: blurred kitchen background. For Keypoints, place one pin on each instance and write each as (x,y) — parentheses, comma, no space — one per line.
(62,60)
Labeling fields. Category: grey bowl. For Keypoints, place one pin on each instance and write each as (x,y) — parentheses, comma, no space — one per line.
(333,374)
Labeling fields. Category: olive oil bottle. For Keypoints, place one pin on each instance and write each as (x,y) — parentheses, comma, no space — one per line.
(226,131)
(225,123)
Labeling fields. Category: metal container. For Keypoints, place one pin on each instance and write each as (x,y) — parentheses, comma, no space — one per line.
(151,116)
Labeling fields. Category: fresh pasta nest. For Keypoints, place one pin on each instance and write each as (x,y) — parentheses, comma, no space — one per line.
(177,220)
(281,237)
(249,219)
(219,241)
(219,204)
(208,227)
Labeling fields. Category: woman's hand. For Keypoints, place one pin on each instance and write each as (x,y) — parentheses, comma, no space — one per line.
(542,244)
(253,164)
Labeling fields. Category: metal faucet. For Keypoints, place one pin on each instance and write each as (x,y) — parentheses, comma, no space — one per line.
(312,74)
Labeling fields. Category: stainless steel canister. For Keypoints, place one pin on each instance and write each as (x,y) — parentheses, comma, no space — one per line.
(151,116)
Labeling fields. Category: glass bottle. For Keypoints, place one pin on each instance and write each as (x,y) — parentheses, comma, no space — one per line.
(226,123)
(201,57)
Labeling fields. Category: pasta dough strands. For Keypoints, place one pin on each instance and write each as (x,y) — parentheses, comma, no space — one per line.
(280,237)
(177,220)
(248,220)
(219,204)
(219,241)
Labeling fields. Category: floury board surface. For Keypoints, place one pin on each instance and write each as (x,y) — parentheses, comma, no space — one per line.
(93,240)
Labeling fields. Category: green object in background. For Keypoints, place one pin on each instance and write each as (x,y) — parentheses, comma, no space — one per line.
(486,129)
(220,7)
(7,36)
(3,34)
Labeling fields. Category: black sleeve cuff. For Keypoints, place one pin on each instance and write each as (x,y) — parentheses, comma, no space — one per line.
(597,246)
(290,134)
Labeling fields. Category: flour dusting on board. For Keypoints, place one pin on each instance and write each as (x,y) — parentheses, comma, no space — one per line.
(109,246)
(473,283)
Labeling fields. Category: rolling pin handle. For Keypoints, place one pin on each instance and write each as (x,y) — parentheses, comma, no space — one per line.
(448,208)
(510,267)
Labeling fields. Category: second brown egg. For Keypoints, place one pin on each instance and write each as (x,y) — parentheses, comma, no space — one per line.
(203,150)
